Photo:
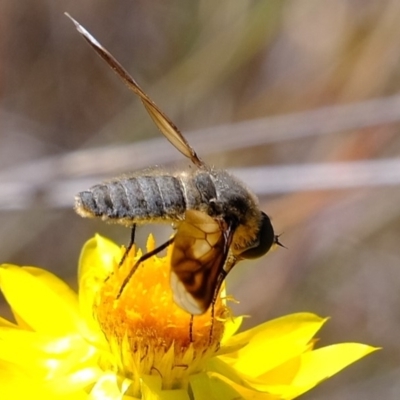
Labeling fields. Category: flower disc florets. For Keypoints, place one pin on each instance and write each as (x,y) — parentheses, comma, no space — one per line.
(147,332)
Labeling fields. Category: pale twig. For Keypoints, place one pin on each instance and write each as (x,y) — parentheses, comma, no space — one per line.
(263,180)
(241,135)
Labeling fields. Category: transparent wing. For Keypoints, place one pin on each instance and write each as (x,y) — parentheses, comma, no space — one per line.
(201,247)
(166,126)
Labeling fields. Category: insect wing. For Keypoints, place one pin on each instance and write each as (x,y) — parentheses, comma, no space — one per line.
(164,124)
(201,246)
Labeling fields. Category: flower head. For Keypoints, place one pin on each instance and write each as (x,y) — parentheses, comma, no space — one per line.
(96,345)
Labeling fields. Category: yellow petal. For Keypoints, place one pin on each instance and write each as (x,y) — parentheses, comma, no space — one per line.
(74,382)
(106,387)
(96,263)
(98,257)
(41,306)
(217,365)
(232,325)
(221,384)
(58,285)
(318,365)
(151,390)
(283,374)
(230,328)
(273,343)
(16,385)
(204,388)
(41,355)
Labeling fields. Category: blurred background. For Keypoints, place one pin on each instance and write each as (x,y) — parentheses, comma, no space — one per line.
(298,98)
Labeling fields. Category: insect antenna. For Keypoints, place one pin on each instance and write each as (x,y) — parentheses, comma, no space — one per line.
(277,242)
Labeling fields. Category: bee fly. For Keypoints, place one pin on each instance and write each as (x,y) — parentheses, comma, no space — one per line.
(218,221)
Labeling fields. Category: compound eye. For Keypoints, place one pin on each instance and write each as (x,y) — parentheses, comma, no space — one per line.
(266,238)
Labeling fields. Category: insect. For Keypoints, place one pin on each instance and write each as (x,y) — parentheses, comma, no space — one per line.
(217,219)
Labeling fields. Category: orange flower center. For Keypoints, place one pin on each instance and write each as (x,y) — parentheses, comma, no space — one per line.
(147,332)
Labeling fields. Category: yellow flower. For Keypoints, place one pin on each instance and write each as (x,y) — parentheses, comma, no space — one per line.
(142,346)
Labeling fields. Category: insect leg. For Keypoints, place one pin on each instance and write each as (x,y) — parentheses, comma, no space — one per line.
(221,278)
(131,243)
(191,328)
(141,259)
(210,336)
